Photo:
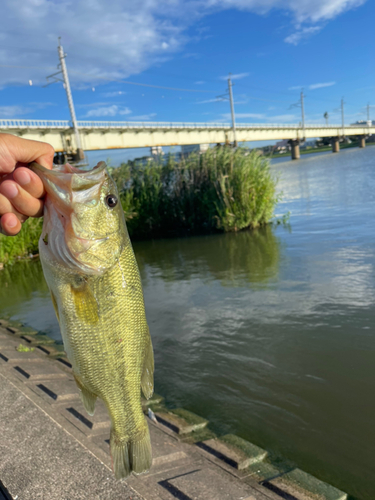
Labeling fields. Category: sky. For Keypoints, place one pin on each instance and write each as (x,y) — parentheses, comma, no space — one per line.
(272,48)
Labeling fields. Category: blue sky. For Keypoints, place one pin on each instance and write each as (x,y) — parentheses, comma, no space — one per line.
(272,47)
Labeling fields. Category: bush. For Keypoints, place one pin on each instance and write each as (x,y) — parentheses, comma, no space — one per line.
(25,243)
(220,190)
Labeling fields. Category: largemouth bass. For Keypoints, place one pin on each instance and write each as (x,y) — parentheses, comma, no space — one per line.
(93,277)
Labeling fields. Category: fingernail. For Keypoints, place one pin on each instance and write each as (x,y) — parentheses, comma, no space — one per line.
(9,190)
(12,222)
(23,177)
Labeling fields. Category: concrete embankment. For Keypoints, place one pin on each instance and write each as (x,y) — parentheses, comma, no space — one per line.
(51,449)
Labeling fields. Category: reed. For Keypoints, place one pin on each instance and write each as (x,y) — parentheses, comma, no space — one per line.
(220,190)
(25,243)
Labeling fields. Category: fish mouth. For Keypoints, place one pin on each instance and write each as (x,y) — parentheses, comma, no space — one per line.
(63,182)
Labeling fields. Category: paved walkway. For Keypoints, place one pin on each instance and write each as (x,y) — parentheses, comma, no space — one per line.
(51,449)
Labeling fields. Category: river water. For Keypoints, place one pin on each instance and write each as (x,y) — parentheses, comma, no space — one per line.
(268,334)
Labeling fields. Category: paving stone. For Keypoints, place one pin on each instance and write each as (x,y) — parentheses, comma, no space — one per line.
(37,371)
(303,486)
(8,341)
(234,450)
(52,350)
(165,449)
(11,355)
(207,484)
(181,421)
(56,391)
(64,361)
(155,400)
(27,330)
(38,339)
(78,416)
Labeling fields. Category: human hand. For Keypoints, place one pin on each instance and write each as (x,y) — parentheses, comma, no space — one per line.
(21,189)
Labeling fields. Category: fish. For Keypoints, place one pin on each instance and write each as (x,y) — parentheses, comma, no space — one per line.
(93,277)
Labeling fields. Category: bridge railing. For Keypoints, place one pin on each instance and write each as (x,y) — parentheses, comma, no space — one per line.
(89,125)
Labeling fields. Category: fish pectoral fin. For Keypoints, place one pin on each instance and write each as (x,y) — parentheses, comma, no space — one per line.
(86,305)
(147,380)
(55,306)
(88,398)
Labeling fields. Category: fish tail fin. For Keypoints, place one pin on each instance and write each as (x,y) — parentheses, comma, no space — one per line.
(130,456)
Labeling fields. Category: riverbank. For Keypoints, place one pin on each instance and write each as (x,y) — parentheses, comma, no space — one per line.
(42,417)
(222,190)
(322,149)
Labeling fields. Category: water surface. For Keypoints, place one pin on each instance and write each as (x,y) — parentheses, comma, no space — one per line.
(268,334)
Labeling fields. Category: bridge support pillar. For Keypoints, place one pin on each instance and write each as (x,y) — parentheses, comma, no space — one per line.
(362,141)
(294,143)
(335,144)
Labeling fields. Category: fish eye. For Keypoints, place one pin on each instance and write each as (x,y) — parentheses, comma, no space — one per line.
(111,200)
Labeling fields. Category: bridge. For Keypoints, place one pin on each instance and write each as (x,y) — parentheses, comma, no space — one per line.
(100,135)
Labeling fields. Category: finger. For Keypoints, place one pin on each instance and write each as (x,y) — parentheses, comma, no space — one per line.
(7,207)
(15,149)
(21,200)
(10,225)
(29,181)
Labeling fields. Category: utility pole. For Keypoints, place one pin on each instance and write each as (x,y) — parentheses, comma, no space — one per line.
(342,116)
(64,71)
(303,114)
(232,111)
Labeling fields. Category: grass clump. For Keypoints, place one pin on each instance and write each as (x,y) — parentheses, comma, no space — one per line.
(25,243)
(220,190)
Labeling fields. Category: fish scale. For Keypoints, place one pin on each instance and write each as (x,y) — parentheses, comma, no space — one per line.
(92,273)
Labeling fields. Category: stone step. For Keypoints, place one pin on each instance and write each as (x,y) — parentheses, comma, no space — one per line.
(88,424)
(31,371)
(56,391)
(11,356)
(181,421)
(234,450)
(302,486)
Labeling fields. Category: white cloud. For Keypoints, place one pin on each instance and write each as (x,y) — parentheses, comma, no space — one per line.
(142,118)
(113,110)
(207,101)
(15,111)
(199,83)
(237,76)
(116,39)
(315,86)
(113,94)
(296,37)
(287,118)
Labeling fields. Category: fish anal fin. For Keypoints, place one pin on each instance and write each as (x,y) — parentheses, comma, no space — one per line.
(88,398)
(86,305)
(147,380)
(55,306)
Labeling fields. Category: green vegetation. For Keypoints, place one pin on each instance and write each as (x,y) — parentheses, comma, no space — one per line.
(221,190)
(25,243)
(23,348)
